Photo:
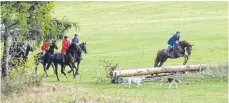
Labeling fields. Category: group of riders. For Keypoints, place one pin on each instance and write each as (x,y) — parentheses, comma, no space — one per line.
(66,43)
(69,57)
(45,48)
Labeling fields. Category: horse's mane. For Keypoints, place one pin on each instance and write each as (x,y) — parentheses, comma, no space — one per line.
(184,43)
(81,44)
(71,47)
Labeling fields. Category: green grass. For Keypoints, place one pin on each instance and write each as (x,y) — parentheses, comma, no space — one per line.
(133,32)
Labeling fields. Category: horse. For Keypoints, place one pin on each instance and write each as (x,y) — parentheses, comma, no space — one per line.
(46,59)
(27,50)
(71,57)
(22,52)
(179,51)
(78,56)
(64,59)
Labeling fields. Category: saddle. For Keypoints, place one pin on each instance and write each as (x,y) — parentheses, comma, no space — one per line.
(171,51)
(59,56)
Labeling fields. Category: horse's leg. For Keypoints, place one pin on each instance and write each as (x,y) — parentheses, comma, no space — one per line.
(56,71)
(53,67)
(36,65)
(156,63)
(49,63)
(62,70)
(162,61)
(23,63)
(77,68)
(70,65)
(185,59)
(44,65)
(71,70)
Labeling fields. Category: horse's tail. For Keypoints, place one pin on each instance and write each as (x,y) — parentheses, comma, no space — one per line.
(156,59)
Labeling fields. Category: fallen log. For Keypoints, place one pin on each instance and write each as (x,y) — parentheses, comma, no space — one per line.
(149,71)
(157,70)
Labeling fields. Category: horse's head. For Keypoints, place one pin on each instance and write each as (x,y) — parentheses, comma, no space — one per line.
(53,46)
(187,45)
(29,48)
(84,47)
(189,49)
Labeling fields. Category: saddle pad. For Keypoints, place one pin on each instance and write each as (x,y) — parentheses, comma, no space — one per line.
(59,56)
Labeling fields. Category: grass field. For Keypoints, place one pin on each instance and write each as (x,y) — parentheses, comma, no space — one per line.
(132,32)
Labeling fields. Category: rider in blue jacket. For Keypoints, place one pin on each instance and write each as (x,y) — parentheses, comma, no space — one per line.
(172,42)
(75,41)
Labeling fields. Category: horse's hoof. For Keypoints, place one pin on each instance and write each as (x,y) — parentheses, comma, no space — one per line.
(69,71)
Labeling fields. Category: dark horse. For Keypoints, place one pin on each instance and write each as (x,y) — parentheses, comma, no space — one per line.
(179,51)
(78,56)
(71,57)
(46,59)
(22,51)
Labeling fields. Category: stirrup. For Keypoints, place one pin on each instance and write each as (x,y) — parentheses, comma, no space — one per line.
(167,54)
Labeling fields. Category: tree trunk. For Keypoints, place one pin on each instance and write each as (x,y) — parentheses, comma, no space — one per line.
(156,70)
(5,57)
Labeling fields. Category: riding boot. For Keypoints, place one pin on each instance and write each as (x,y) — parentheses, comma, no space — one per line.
(167,51)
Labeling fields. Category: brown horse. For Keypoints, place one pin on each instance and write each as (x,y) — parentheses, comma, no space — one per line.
(178,51)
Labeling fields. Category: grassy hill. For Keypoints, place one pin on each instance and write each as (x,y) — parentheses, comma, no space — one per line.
(132,32)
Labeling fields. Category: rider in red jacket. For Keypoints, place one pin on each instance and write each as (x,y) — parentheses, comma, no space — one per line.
(65,44)
(45,46)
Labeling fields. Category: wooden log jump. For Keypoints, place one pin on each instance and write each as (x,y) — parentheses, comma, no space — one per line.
(157,70)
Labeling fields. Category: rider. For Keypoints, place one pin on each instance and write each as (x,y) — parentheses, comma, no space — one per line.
(65,45)
(172,41)
(45,46)
(75,41)
(51,48)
